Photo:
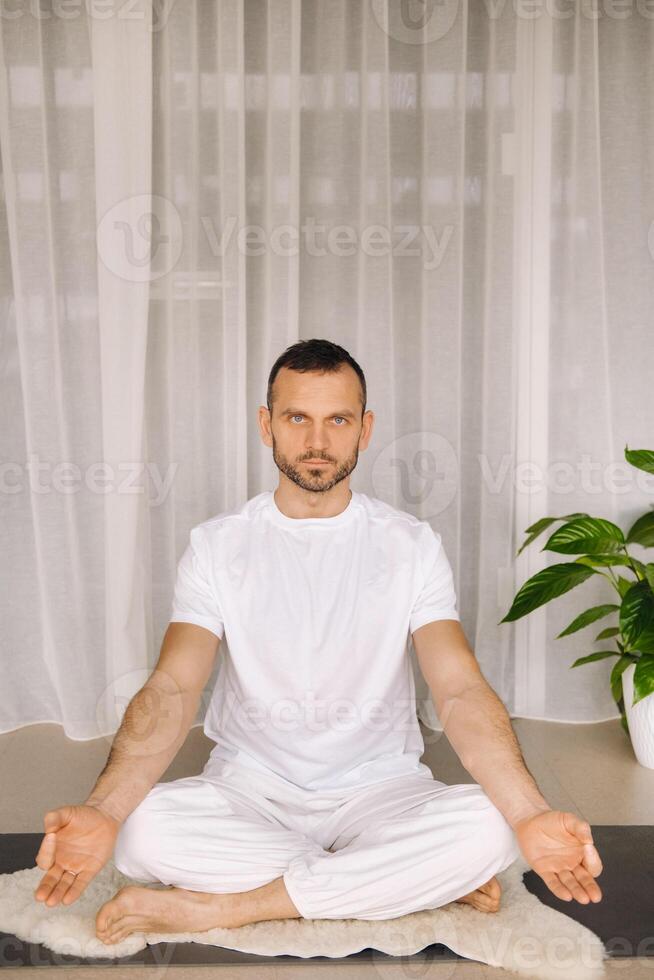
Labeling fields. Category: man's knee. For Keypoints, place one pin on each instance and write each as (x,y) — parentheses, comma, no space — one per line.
(136,844)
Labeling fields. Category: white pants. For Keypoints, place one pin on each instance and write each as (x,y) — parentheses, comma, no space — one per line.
(401,845)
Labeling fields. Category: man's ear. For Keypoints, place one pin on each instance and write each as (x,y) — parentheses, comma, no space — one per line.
(367,426)
(264,419)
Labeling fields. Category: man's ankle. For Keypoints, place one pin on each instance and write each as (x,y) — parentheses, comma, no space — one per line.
(269,901)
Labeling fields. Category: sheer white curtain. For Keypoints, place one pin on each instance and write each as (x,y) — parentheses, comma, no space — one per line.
(464,203)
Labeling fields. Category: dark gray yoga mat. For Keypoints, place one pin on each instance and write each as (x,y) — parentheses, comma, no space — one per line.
(624,919)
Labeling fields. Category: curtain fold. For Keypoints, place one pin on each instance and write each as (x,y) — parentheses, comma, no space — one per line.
(464,203)
(121,59)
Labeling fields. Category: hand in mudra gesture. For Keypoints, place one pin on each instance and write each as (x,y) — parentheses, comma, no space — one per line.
(78,842)
(559,847)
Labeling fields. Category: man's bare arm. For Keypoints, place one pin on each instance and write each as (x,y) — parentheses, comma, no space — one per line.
(157,720)
(475,721)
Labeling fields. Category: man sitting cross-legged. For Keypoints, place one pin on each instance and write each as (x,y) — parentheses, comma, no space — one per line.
(314,802)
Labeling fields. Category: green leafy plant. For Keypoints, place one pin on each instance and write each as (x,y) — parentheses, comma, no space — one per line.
(602,545)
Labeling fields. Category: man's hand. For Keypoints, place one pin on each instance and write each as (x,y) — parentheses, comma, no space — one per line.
(559,847)
(77,838)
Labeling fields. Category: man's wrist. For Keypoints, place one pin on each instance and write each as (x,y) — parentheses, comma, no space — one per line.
(527,812)
(106,808)
(118,799)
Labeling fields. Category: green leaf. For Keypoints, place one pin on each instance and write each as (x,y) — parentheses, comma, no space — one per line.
(639,566)
(627,561)
(545,585)
(602,560)
(649,574)
(643,677)
(599,655)
(637,617)
(593,535)
(624,584)
(642,532)
(644,643)
(607,633)
(643,459)
(624,722)
(534,530)
(587,617)
(616,677)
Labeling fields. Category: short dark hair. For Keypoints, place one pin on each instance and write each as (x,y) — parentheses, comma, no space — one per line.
(314,355)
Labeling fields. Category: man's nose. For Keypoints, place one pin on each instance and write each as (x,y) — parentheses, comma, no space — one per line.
(317,441)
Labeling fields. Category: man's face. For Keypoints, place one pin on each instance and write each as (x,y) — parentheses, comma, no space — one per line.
(317,416)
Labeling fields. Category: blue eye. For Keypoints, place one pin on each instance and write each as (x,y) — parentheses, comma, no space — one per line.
(336,417)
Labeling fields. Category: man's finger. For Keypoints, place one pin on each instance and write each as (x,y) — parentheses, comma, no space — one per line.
(572,883)
(556,886)
(579,827)
(61,888)
(48,883)
(56,819)
(588,883)
(77,886)
(46,854)
(591,860)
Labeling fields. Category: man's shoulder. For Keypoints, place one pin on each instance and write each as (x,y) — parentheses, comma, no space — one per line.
(239,516)
(386,515)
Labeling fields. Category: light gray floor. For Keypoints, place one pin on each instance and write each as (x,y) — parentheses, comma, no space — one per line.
(588,769)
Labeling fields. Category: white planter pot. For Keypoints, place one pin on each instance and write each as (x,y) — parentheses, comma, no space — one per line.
(640,718)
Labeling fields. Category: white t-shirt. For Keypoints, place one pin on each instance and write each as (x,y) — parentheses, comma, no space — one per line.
(317,686)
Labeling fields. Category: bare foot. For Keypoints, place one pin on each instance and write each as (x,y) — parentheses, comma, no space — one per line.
(486,898)
(135,908)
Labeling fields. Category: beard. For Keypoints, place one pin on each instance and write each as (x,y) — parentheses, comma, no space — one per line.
(317,480)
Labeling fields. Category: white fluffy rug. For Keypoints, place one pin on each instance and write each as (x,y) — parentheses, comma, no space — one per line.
(524,936)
